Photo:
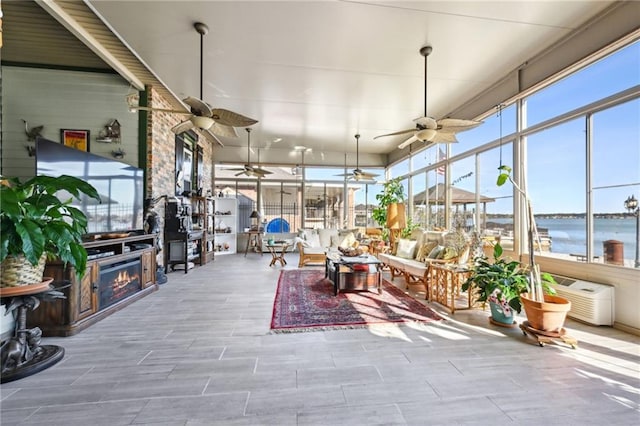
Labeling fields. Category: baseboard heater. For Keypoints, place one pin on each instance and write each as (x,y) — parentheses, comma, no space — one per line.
(592,303)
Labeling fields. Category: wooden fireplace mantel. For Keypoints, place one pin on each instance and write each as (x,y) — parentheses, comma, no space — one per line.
(81,308)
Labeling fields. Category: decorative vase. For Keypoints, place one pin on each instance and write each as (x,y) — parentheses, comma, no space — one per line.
(546,316)
(500,316)
(18,271)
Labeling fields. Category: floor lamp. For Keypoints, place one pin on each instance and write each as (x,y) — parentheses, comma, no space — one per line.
(396,221)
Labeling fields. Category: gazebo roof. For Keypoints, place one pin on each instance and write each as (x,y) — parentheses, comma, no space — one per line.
(458,196)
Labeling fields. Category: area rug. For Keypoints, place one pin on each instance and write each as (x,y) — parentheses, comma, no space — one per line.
(305,302)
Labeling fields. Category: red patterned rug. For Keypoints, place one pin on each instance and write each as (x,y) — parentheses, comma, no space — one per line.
(305,302)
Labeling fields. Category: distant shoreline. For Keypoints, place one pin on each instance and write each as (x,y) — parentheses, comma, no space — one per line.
(567,216)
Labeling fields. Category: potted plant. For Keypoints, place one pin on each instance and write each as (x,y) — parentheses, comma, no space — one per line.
(392,198)
(546,312)
(501,282)
(36,225)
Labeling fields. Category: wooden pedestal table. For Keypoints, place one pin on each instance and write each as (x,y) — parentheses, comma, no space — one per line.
(256,237)
(273,249)
(445,285)
(22,355)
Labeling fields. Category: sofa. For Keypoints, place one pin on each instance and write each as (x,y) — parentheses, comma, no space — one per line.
(413,256)
(313,244)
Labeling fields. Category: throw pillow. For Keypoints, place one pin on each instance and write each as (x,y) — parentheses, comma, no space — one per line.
(424,250)
(406,248)
(449,253)
(343,240)
(313,239)
(435,252)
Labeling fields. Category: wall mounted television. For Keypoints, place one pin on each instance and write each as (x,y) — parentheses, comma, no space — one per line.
(120,186)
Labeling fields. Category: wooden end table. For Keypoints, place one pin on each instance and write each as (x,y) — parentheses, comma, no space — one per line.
(273,249)
(446,284)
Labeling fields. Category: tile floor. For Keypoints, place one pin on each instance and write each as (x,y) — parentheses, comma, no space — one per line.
(199,352)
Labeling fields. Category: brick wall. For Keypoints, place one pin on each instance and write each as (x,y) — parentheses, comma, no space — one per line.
(161,161)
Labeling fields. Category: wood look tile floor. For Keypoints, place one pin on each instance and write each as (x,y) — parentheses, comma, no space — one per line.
(199,352)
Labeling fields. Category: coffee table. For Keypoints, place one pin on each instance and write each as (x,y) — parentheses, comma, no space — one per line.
(353,273)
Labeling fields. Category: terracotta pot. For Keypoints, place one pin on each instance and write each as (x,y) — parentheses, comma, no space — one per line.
(546,316)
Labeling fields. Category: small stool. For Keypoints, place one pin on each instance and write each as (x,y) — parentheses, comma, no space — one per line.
(277,256)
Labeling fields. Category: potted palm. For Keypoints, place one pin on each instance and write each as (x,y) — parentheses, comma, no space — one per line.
(36,225)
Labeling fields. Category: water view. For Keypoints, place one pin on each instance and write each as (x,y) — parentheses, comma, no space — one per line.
(569,235)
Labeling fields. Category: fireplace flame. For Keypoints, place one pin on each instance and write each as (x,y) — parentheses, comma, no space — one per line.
(122,279)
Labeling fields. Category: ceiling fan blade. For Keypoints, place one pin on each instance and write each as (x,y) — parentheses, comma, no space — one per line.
(222,130)
(230,118)
(198,107)
(444,136)
(426,122)
(262,171)
(401,132)
(408,142)
(455,125)
(182,127)
(173,111)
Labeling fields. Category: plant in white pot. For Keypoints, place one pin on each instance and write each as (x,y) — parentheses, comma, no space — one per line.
(35,225)
(545,312)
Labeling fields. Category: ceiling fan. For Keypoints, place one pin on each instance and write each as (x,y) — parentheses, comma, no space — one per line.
(248,169)
(427,128)
(202,115)
(358,174)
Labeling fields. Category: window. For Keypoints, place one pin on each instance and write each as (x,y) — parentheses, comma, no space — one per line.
(617,72)
(556,162)
(494,219)
(615,176)
(399,169)
(488,131)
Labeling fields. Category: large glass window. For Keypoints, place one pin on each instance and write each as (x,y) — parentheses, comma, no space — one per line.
(494,217)
(428,156)
(462,199)
(606,77)
(488,131)
(399,169)
(556,159)
(615,177)
(419,210)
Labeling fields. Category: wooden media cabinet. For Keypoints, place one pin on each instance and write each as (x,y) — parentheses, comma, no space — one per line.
(119,271)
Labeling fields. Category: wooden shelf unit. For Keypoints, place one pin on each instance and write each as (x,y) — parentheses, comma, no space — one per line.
(81,307)
(203,220)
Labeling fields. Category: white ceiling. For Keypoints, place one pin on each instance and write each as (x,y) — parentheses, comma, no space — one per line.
(316,72)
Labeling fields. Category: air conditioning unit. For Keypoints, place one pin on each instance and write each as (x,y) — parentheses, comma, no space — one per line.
(590,302)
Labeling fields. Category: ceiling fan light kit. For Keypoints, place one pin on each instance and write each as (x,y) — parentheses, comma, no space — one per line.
(203,123)
(428,129)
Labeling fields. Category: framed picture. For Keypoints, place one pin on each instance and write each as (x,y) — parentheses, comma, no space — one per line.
(78,139)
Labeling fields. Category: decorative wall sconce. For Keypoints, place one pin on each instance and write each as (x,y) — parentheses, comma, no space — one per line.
(118,154)
(110,133)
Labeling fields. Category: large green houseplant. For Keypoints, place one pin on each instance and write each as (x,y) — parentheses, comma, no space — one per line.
(500,282)
(36,225)
(392,193)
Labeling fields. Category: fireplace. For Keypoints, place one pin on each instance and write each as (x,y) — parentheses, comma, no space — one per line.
(117,281)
